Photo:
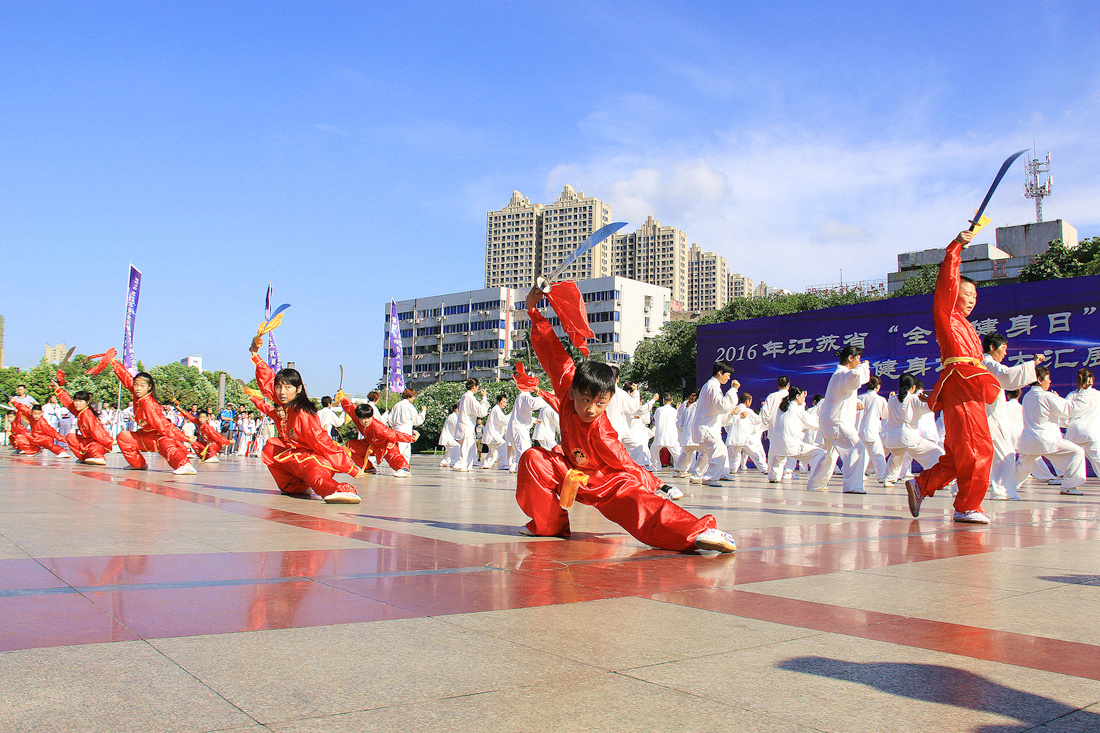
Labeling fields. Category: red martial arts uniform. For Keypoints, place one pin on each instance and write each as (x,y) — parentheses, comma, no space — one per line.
(303,456)
(617,487)
(208,441)
(155,431)
(964,388)
(41,435)
(91,439)
(382,441)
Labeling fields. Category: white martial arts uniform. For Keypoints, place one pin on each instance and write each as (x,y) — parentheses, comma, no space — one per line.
(742,430)
(665,435)
(903,438)
(447,440)
(837,416)
(869,426)
(788,444)
(546,429)
(404,418)
(687,449)
(1043,410)
(1002,474)
(495,426)
(469,410)
(706,432)
(518,433)
(1084,424)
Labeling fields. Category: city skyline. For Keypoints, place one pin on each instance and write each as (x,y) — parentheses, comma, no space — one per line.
(348,152)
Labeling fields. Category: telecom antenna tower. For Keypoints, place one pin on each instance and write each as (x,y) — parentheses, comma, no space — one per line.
(1035,187)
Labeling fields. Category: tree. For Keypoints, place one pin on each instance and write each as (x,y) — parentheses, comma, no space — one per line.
(1061,261)
(923,283)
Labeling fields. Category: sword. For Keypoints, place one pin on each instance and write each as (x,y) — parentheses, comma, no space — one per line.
(341,387)
(996,181)
(542,282)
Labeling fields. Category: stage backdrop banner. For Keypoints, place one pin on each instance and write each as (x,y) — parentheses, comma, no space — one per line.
(1058,318)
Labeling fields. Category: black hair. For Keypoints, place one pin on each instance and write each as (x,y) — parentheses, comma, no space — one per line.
(615,370)
(501,396)
(745,398)
(918,383)
(1083,375)
(721,367)
(666,398)
(965,279)
(203,412)
(846,353)
(472,382)
(364,411)
(294,379)
(818,398)
(454,408)
(152,383)
(36,406)
(86,396)
(1011,394)
(594,379)
(792,396)
(905,386)
(326,401)
(1041,373)
(628,386)
(874,382)
(783,381)
(992,341)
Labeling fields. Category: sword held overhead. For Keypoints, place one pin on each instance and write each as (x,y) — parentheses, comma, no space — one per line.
(996,181)
(544,282)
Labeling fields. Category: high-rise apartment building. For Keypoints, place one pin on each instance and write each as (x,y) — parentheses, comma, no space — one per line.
(525,240)
(653,254)
(708,280)
(740,286)
(55,353)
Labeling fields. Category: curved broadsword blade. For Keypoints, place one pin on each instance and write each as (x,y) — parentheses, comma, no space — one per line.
(68,356)
(597,236)
(996,182)
(341,387)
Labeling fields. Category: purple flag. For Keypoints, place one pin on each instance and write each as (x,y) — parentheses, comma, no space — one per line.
(397,370)
(133,292)
(272,348)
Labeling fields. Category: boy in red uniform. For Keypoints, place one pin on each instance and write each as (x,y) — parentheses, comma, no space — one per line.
(378,440)
(208,441)
(90,441)
(593,462)
(964,388)
(41,434)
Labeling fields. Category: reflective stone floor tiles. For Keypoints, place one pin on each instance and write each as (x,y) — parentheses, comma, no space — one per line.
(146,601)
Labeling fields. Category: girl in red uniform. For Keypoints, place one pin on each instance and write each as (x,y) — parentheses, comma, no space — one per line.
(154,431)
(302,457)
(90,441)
(380,440)
(208,441)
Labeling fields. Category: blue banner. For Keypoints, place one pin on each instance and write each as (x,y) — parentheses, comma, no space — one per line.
(133,292)
(272,347)
(1055,317)
(396,381)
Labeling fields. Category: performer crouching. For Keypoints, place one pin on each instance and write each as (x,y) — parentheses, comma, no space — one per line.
(90,441)
(381,441)
(302,457)
(591,461)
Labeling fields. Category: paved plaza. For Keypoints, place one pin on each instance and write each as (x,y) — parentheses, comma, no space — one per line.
(144,601)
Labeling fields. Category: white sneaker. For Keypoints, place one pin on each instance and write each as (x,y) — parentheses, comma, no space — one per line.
(95,461)
(460,469)
(916,496)
(1072,492)
(713,539)
(213,459)
(855,491)
(677,474)
(674,493)
(185,470)
(402,473)
(694,480)
(712,484)
(1054,482)
(443,463)
(971,517)
(64,454)
(343,497)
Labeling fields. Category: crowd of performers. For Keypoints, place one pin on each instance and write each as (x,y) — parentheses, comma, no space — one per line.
(612,443)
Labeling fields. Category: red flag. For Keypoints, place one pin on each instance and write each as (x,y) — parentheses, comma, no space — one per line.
(524,380)
(568,304)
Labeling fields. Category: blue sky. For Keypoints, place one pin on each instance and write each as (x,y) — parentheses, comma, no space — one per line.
(348,152)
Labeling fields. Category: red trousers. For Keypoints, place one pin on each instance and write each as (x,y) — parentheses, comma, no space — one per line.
(31,445)
(967,458)
(205,450)
(298,471)
(132,444)
(392,455)
(84,448)
(617,495)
